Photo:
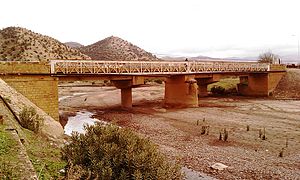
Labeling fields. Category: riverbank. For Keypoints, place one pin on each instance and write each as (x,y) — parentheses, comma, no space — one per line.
(179,137)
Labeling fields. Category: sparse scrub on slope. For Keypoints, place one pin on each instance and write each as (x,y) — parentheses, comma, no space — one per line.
(20,44)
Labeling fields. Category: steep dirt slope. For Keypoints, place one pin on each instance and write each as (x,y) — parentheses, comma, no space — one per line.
(289,85)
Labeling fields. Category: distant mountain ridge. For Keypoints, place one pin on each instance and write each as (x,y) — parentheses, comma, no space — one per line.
(204,58)
(73,44)
(20,44)
(116,49)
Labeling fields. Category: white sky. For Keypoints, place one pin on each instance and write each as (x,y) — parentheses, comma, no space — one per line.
(216,28)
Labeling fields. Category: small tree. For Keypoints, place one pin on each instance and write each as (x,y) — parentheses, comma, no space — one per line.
(29,119)
(109,152)
(268,57)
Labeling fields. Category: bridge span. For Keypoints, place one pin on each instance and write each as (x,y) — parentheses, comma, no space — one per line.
(153,67)
(184,81)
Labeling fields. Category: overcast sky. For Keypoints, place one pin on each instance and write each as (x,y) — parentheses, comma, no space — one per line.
(217,28)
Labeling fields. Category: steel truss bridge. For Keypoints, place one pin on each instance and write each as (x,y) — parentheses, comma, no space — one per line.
(66,67)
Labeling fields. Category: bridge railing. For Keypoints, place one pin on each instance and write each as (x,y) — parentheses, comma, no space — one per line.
(151,67)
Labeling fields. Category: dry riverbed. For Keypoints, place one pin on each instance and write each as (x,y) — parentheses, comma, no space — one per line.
(178,132)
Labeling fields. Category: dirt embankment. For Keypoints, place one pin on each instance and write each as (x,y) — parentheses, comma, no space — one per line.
(289,85)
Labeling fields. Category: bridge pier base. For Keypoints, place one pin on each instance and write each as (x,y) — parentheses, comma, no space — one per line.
(259,84)
(181,91)
(126,92)
(126,97)
(126,89)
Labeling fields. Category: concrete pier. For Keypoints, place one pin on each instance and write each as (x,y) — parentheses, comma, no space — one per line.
(181,90)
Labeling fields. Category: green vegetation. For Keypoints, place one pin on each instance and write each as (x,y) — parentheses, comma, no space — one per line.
(155,80)
(217,90)
(109,152)
(158,81)
(8,159)
(45,158)
(224,86)
(223,136)
(29,119)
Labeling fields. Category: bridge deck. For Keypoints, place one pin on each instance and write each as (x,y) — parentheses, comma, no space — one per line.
(151,67)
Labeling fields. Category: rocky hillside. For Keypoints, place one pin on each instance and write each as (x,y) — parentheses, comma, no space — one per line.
(73,44)
(289,85)
(20,44)
(117,49)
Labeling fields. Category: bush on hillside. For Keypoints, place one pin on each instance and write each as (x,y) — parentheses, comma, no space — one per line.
(109,152)
(29,119)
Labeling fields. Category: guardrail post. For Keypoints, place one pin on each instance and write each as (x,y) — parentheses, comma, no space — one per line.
(52,67)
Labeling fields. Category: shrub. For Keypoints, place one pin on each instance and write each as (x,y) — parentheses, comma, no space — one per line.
(29,119)
(204,130)
(231,90)
(158,81)
(109,152)
(225,134)
(218,90)
(281,152)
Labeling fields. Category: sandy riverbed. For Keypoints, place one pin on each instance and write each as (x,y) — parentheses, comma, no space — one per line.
(179,137)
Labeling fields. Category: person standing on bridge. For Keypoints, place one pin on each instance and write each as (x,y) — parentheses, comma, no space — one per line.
(186,64)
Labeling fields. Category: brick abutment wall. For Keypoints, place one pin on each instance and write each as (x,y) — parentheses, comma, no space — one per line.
(42,90)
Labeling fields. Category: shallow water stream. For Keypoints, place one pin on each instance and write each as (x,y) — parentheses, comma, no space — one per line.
(76,123)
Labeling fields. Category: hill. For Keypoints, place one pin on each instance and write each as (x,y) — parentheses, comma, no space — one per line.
(20,44)
(74,44)
(116,49)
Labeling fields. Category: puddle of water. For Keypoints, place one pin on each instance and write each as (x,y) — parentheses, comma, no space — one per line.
(74,94)
(77,122)
(77,94)
(195,175)
(63,97)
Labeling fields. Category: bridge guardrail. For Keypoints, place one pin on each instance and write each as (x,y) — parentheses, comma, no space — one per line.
(151,67)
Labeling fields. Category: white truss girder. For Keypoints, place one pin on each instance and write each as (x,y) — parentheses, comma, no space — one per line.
(151,67)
